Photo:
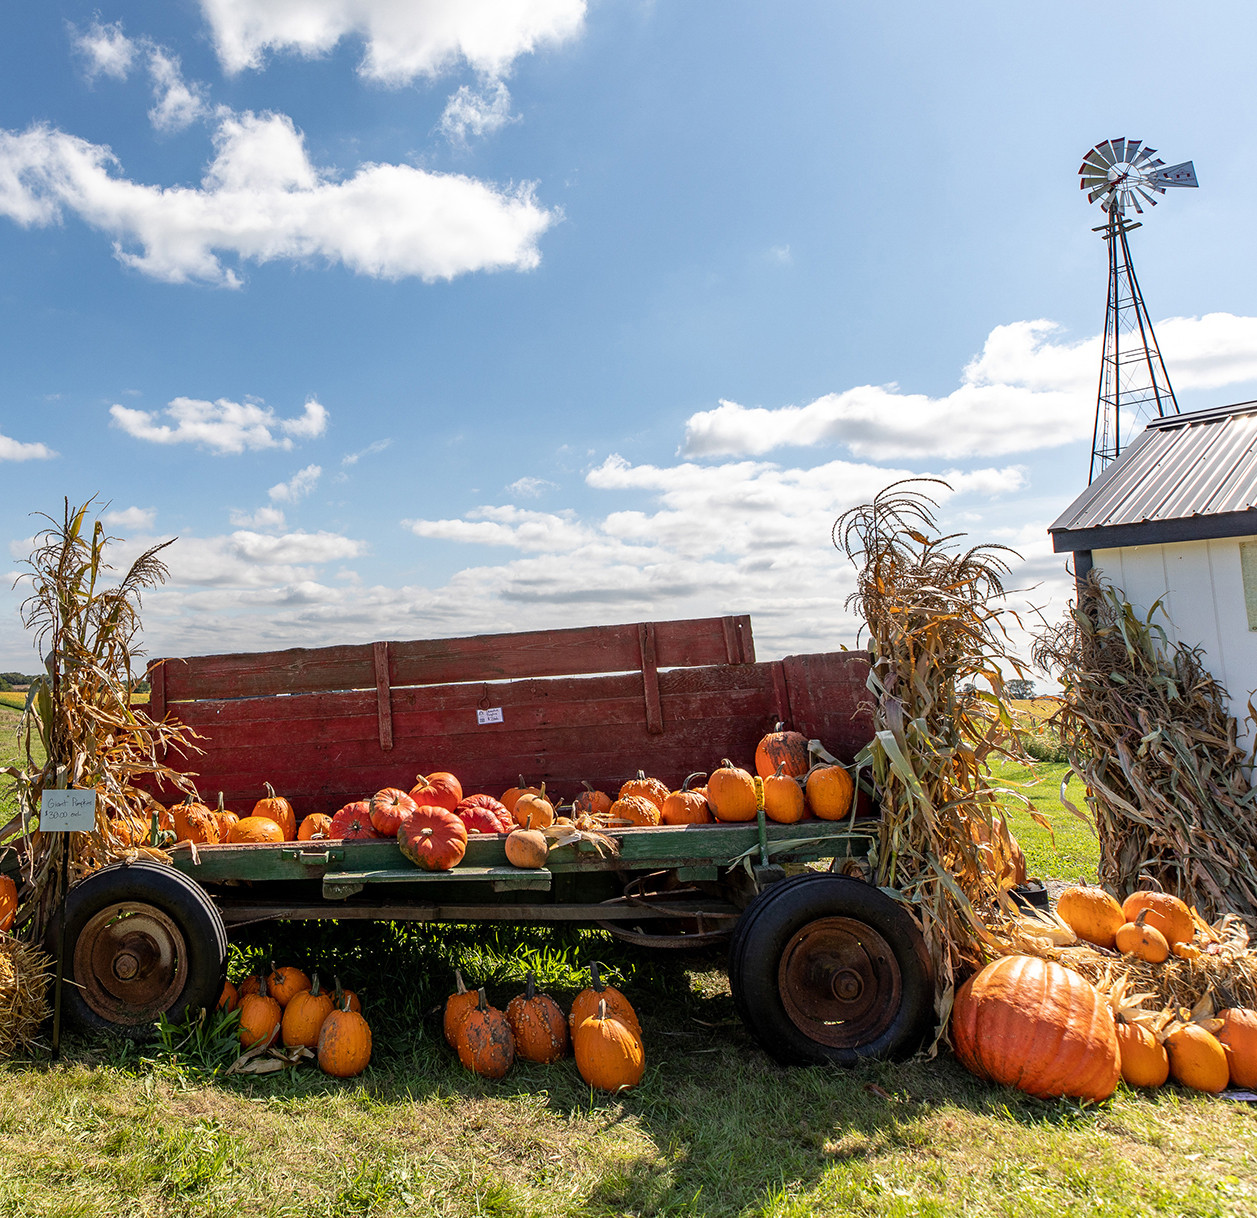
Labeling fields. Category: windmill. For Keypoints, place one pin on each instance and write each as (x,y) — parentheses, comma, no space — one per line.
(1119,174)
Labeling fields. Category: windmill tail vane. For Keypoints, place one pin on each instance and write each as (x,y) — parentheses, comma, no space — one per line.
(1120,174)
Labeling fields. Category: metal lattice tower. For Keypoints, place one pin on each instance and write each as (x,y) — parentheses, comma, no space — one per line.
(1133,380)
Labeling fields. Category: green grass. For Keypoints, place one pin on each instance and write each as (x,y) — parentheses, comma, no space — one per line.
(1071,850)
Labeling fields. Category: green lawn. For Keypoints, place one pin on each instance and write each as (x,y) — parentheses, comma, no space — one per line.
(1071,851)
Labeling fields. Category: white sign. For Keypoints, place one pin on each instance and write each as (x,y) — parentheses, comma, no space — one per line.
(492,715)
(67,811)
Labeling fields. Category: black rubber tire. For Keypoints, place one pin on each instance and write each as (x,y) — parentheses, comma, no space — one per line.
(892,1006)
(172,961)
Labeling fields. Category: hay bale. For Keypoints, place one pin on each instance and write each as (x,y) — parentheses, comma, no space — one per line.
(24,977)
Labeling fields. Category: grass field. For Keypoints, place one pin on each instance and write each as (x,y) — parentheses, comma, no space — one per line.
(716,1128)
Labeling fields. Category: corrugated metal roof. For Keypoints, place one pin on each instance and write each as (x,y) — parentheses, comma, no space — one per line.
(1182,468)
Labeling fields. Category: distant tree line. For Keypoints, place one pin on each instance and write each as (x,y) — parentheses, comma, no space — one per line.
(9,679)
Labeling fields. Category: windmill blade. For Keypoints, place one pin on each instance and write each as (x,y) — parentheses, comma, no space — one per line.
(1149,198)
(1103,154)
(1133,197)
(1183,174)
(1119,149)
(1132,150)
(1109,149)
(1091,180)
(1094,163)
(1100,193)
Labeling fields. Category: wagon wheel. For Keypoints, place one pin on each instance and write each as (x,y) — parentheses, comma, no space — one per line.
(142,940)
(825,968)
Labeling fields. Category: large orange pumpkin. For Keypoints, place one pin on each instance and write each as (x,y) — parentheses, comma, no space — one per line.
(731,793)
(344,1042)
(829,791)
(253,829)
(389,808)
(787,750)
(537,1024)
(608,1054)
(1038,1026)
(8,902)
(1238,1036)
(352,822)
(432,838)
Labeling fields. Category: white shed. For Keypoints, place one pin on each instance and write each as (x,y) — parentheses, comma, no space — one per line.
(1175,518)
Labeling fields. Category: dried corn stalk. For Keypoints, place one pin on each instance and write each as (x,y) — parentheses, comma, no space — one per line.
(1147,729)
(935,616)
(79,729)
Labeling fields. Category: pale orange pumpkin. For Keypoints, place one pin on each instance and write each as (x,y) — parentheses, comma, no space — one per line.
(1197,1059)
(279,810)
(783,798)
(1091,913)
(829,791)
(731,793)
(1142,941)
(1165,913)
(636,810)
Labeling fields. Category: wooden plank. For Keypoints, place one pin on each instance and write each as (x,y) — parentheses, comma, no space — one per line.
(383,702)
(237,914)
(497,657)
(156,674)
(781,695)
(650,678)
(829,700)
(739,645)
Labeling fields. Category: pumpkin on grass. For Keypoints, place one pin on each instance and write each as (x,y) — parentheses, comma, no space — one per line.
(1197,1058)
(284,984)
(1144,1060)
(457,1006)
(432,838)
(229,999)
(304,1016)
(349,996)
(260,1017)
(586,1002)
(1091,913)
(352,822)
(686,806)
(1038,1026)
(344,1048)
(484,1040)
(609,1055)
(538,1025)
(279,810)
(1238,1037)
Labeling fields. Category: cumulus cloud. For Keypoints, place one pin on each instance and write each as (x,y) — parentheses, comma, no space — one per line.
(132,519)
(403,41)
(261,199)
(530,487)
(104,49)
(476,112)
(177,104)
(249,559)
(298,486)
(17,450)
(1027,389)
(264,518)
(224,427)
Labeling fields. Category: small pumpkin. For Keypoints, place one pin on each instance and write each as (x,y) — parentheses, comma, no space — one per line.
(304,1016)
(1142,941)
(829,791)
(686,806)
(260,1016)
(534,812)
(538,1025)
(591,802)
(457,1006)
(352,822)
(1197,1058)
(432,838)
(484,814)
(225,819)
(586,1002)
(349,996)
(317,824)
(784,751)
(1092,914)
(783,798)
(1145,1062)
(636,810)
(649,788)
(440,788)
(194,822)
(251,830)
(279,810)
(609,1055)
(250,985)
(731,793)
(8,902)
(344,1048)
(484,1040)
(527,848)
(1165,913)
(1238,1036)
(511,795)
(389,808)
(284,984)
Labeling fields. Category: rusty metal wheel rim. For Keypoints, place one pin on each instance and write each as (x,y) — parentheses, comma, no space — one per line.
(132,962)
(840,982)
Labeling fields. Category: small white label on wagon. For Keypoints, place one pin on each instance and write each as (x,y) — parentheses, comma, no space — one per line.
(492,715)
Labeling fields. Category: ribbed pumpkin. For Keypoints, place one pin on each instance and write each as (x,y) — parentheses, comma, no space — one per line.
(8,902)
(686,807)
(484,814)
(652,789)
(731,793)
(279,810)
(586,1002)
(440,788)
(432,838)
(1238,1036)
(304,1016)
(609,1055)
(527,848)
(1038,1026)
(389,808)
(783,798)
(1091,913)
(353,822)
(254,829)
(1166,913)
(538,1025)
(284,984)
(829,791)
(1142,941)
(194,822)
(260,1017)
(317,824)
(484,1040)
(344,1042)
(1197,1059)
(1145,1062)
(782,750)
(591,802)
(457,1006)
(636,810)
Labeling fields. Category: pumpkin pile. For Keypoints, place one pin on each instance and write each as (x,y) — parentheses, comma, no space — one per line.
(602,1029)
(285,1006)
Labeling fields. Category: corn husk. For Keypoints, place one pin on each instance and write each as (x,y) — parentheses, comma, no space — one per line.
(24,975)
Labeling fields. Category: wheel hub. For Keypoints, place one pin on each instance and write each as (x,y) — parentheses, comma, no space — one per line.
(131,961)
(839,982)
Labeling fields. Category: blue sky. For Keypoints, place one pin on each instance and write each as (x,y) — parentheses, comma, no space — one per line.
(454,317)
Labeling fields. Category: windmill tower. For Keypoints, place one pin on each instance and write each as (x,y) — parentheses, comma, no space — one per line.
(1133,382)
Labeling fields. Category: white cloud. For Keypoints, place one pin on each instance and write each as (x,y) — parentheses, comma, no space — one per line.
(298,486)
(222,426)
(176,103)
(105,50)
(403,40)
(132,519)
(1026,390)
(264,518)
(261,200)
(249,559)
(17,450)
(531,488)
(376,446)
(476,112)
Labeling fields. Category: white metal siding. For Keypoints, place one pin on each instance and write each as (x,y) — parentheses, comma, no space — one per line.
(1203,597)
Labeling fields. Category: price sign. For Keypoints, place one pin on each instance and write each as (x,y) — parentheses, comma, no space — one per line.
(67,811)
(492,715)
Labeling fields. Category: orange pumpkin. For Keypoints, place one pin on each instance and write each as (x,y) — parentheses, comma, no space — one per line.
(1165,913)
(8,902)
(829,791)
(1197,1059)
(194,822)
(1142,941)
(686,807)
(1238,1036)
(527,848)
(784,751)
(635,809)
(1038,1026)
(533,812)
(260,1017)
(537,1024)
(649,788)
(592,803)
(586,1002)
(783,798)
(254,829)
(279,810)
(484,1040)
(440,788)
(304,1016)
(457,1006)
(317,824)
(608,1054)
(512,794)
(225,820)
(284,984)
(389,808)
(344,1043)
(1145,1062)
(731,793)
(1091,913)
(229,999)
(432,838)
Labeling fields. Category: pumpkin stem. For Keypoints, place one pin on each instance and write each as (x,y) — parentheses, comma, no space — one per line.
(262,982)
(482,1003)
(685,786)
(458,981)
(641,775)
(602,1008)
(220,802)
(595,976)
(314,986)
(530,987)
(270,790)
